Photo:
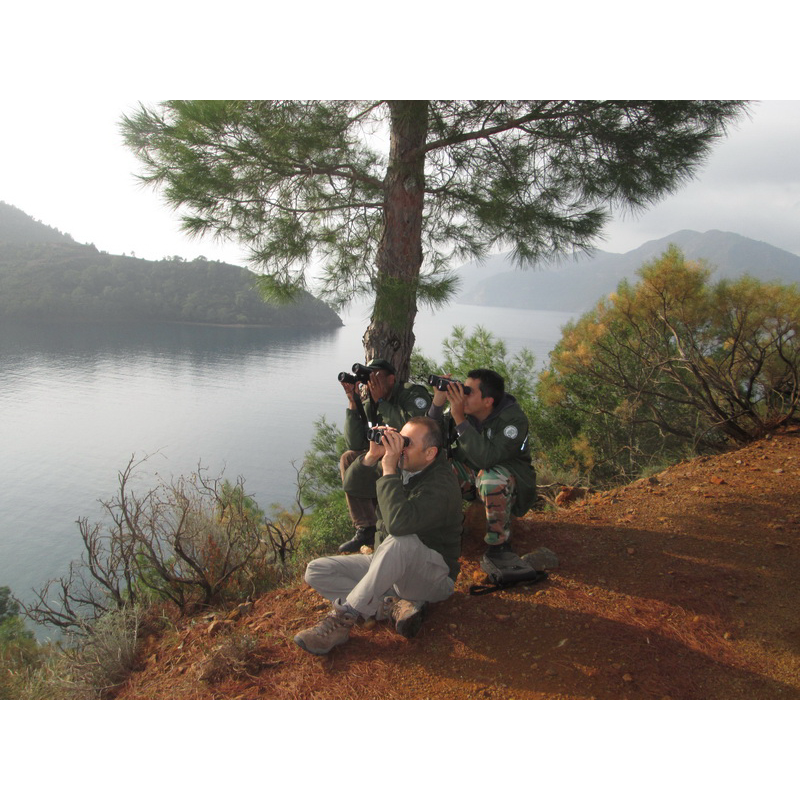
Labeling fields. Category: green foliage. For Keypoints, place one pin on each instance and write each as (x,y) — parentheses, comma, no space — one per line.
(674,366)
(18,649)
(12,628)
(290,179)
(328,526)
(9,607)
(484,350)
(321,462)
(328,523)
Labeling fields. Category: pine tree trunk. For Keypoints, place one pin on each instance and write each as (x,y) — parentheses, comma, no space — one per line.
(390,334)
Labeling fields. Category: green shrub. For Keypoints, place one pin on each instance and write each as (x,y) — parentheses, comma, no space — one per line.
(482,350)
(674,366)
(320,471)
(328,526)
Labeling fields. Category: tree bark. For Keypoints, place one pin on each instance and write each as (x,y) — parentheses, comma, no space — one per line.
(390,334)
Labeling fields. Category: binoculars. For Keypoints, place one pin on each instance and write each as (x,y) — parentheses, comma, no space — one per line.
(376,435)
(360,374)
(440,383)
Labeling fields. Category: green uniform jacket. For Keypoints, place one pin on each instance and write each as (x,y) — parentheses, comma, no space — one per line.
(429,505)
(501,440)
(411,400)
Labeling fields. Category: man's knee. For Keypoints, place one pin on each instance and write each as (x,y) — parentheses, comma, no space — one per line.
(316,569)
(346,459)
(399,549)
(494,481)
(400,543)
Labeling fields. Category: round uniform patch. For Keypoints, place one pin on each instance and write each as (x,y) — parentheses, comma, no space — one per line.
(511,432)
(419,402)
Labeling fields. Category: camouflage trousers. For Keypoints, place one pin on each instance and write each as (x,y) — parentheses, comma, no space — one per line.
(362,509)
(496,489)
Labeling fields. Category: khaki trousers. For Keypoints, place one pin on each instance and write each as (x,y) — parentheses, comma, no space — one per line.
(401,565)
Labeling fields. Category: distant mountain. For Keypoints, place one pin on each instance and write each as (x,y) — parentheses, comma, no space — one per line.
(46,275)
(16,227)
(576,284)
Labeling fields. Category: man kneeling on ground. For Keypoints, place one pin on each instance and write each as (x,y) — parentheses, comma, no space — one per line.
(419,529)
(487,436)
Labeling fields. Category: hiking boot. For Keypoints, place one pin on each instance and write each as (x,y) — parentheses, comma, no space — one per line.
(384,611)
(333,630)
(364,536)
(501,554)
(407,616)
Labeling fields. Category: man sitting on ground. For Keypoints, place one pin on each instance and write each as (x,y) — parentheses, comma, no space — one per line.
(419,532)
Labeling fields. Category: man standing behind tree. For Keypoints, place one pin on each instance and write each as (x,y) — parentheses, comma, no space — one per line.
(388,403)
(487,433)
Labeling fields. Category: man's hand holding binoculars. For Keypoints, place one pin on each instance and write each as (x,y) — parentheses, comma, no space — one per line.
(385,445)
(451,392)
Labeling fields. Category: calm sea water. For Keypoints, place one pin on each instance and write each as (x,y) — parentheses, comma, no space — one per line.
(76,402)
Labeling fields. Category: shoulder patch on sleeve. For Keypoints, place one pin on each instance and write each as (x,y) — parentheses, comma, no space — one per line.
(419,402)
(510,432)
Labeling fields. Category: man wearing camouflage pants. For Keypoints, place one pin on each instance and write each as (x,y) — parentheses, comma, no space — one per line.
(419,532)
(487,433)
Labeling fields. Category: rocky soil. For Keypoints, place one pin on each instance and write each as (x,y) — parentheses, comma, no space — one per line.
(681,586)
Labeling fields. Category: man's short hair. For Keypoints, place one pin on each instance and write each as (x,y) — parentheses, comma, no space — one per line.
(433,431)
(492,384)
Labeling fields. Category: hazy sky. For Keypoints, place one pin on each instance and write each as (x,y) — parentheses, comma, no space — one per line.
(85,185)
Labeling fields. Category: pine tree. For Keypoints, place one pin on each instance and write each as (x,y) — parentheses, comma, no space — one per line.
(301,182)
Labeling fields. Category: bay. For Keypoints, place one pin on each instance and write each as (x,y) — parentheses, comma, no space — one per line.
(77,402)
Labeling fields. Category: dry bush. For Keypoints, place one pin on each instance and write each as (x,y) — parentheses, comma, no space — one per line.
(191,542)
(234,655)
(99,661)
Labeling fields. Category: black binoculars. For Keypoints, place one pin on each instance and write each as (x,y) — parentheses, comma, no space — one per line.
(360,374)
(376,434)
(440,383)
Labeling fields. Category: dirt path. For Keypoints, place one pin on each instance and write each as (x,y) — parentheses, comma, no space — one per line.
(683,586)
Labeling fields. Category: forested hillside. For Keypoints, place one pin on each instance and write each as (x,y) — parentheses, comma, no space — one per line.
(44,275)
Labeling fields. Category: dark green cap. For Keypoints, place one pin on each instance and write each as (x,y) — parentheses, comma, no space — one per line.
(381,363)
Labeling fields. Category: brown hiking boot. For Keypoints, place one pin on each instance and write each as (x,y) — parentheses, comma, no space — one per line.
(407,616)
(325,635)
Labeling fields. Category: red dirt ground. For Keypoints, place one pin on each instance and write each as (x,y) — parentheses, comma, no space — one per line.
(681,586)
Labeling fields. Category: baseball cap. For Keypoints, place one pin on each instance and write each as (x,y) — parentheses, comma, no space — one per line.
(381,363)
